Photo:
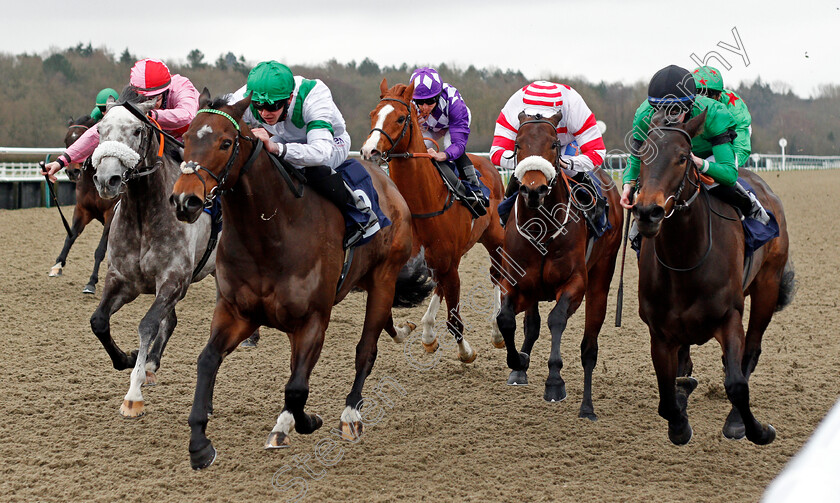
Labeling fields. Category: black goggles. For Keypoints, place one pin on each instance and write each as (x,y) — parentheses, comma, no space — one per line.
(427,101)
(270,106)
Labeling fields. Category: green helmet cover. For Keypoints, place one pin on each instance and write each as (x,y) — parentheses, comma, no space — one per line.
(102,96)
(708,77)
(270,81)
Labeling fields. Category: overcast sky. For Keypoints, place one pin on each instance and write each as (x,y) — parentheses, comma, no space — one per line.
(611,40)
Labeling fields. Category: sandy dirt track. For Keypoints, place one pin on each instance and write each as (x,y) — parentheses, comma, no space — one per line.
(457,434)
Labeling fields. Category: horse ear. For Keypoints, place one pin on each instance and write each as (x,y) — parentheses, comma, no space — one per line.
(695,126)
(522,117)
(109,102)
(383,87)
(204,98)
(408,94)
(70,121)
(555,119)
(240,106)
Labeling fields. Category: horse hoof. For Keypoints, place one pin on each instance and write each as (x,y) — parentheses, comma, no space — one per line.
(89,289)
(151,379)
(277,440)
(680,436)
(588,415)
(56,270)
(351,431)
(517,378)
(403,332)
(247,343)
(468,358)
(431,348)
(766,435)
(132,409)
(308,427)
(500,344)
(203,458)
(555,392)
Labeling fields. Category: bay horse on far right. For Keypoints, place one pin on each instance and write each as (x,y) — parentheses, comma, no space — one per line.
(694,275)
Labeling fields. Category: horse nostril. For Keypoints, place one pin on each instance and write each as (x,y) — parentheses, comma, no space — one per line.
(193,204)
(651,213)
(114,181)
(657,214)
(172,200)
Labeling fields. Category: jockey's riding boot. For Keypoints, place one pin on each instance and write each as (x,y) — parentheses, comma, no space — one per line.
(747,203)
(592,205)
(468,173)
(331,185)
(512,189)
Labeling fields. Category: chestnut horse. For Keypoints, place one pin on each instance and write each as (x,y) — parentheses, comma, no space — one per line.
(445,230)
(693,279)
(89,206)
(548,239)
(278,264)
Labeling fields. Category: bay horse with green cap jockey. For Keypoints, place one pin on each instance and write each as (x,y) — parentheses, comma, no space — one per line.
(297,120)
(445,118)
(673,89)
(709,82)
(176,101)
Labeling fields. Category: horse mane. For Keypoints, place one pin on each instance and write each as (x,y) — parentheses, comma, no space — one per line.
(80,121)
(397,89)
(218,102)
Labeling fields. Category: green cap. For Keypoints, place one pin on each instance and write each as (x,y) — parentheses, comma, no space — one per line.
(708,77)
(270,81)
(102,96)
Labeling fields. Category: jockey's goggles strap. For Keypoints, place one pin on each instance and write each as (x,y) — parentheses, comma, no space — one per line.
(223,114)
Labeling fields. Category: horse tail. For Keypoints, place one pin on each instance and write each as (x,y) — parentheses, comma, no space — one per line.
(414,282)
(787,287)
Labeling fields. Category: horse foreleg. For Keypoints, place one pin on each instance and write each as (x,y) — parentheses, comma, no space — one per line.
(555,387)
(151,325)
(80,220)
(167,326)
(531,325)
(596,312)
(377,314)
(731,338)
(115,295)
(226,332)
(98,257)
(306,343)
(429,337)
(664,357)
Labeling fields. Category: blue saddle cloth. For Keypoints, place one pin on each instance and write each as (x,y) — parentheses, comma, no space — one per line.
(603,225)
(359,180)
(215,212)
(757,234)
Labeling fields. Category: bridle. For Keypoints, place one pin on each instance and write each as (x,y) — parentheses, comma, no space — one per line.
(139,170)
(408,126)
(556,145)
(192,167)
(681,205)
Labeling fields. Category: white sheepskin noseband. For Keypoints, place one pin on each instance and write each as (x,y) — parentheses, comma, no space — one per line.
(532,163)
(128,157)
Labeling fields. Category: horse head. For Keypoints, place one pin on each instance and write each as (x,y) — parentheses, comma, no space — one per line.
(391,123)
(75,129)
(124,143)
(211,147)
(665,168)
(537,153)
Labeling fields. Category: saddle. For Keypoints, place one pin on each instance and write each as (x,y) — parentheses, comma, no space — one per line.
(461,190)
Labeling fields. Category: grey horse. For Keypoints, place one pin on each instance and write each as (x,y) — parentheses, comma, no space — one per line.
(149,250)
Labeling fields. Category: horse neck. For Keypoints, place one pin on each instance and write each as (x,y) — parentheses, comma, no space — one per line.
(150,193)
(684,237)
(417,178)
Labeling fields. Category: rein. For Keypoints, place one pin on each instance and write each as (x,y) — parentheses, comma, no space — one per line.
(681,205)
(138,171)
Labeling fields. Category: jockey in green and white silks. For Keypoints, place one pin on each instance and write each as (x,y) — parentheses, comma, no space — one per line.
(709,82)
(297,119)
(101,101)
(673,88)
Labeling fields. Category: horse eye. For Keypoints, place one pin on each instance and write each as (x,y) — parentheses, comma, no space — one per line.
(401,119)
(138,131)
(226,145)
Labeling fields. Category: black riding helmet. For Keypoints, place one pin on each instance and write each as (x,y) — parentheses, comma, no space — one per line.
(672,88)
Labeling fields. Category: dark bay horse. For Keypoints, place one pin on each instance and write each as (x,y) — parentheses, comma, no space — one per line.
(547,238)
(150,251)
(279,262)
(445,230)
(89,206)
(693,279)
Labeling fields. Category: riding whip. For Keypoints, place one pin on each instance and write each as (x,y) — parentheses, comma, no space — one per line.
(51,189)
(620,300)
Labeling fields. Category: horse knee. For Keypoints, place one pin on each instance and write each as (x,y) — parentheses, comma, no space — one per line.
(506,320)
(588,353)
(557,319)
(99,323)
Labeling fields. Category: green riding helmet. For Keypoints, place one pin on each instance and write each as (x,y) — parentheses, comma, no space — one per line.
(102,96)
(708,77)
(270,81)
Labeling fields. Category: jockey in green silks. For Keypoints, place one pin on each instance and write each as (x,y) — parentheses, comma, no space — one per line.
(673,89)
(101,100)
(709,82)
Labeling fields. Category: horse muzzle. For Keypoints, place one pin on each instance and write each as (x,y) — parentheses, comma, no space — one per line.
(188,207)
(649,218)
(534,198)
